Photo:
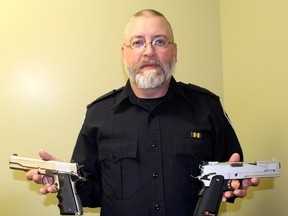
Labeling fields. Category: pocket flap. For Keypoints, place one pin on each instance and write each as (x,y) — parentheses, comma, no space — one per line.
(116,150)
(194,148)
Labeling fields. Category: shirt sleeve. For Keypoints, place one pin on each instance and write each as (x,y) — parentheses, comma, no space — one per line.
(226,139)
(85,154)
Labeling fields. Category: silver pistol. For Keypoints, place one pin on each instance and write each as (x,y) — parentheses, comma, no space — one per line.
(65,175)
(220,177)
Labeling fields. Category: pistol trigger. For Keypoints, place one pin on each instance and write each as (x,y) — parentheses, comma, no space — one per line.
(241,184)
(56,181)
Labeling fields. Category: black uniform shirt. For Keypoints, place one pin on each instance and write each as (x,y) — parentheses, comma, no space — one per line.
(138,155)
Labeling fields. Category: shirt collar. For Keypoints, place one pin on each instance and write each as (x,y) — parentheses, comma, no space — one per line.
(128,94)
(127,91)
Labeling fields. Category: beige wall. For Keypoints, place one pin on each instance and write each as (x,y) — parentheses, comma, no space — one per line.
(255,65)
(56,56)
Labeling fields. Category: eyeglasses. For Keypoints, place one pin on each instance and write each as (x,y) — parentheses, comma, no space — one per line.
(157,43)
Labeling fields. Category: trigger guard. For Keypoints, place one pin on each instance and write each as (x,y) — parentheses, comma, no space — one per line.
(48,180)
(234,184)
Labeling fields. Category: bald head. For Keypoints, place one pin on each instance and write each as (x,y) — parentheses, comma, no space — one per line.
(147,13)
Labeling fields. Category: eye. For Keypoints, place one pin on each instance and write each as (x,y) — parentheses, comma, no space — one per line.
(159,42)
(138,44)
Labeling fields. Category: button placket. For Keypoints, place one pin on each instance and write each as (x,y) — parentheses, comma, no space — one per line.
(157,207)
(154,144)
(156,164)
(155,175)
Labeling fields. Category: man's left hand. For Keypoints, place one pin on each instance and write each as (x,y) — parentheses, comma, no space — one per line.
(246,183)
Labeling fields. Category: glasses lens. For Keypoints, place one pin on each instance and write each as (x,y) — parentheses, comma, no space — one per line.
(159,43)
(138,44)
(156,43)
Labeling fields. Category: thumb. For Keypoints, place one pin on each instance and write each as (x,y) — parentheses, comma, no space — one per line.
(234,158)
(46,156)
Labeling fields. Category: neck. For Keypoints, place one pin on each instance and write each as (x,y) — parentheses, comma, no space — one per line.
(150,93)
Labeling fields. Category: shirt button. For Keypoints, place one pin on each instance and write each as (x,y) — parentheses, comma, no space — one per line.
(157,207)
(154,144)
(155,175)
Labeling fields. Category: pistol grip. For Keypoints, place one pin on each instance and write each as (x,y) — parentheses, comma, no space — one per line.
(69,201)
(210,198)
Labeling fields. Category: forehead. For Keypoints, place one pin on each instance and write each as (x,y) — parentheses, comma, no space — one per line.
(147,27)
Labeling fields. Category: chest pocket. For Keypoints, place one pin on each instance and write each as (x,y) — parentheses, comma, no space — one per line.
(193,147)
(188,154)
(119,167)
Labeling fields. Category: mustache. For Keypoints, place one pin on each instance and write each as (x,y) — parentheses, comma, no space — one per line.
(150,61)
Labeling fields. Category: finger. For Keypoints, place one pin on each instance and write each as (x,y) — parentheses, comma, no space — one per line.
(33,175)
(240,193)
(250,182)
(48,189)
(46,156)
(52,189)
(37,178)
(43,190)
(234,158)
(30,174)
(255,181)
(236,193)
(227,195)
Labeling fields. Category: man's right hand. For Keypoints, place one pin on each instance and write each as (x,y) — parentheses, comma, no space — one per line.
(46,181)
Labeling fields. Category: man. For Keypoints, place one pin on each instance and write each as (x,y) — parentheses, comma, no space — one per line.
(141,143)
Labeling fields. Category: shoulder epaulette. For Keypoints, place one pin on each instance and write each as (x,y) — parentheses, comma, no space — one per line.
(107,95)
(198,89)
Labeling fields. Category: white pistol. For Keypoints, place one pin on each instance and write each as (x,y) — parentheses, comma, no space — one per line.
(65,175)
(220,177)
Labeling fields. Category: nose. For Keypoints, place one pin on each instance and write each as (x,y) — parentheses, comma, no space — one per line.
(149,50)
